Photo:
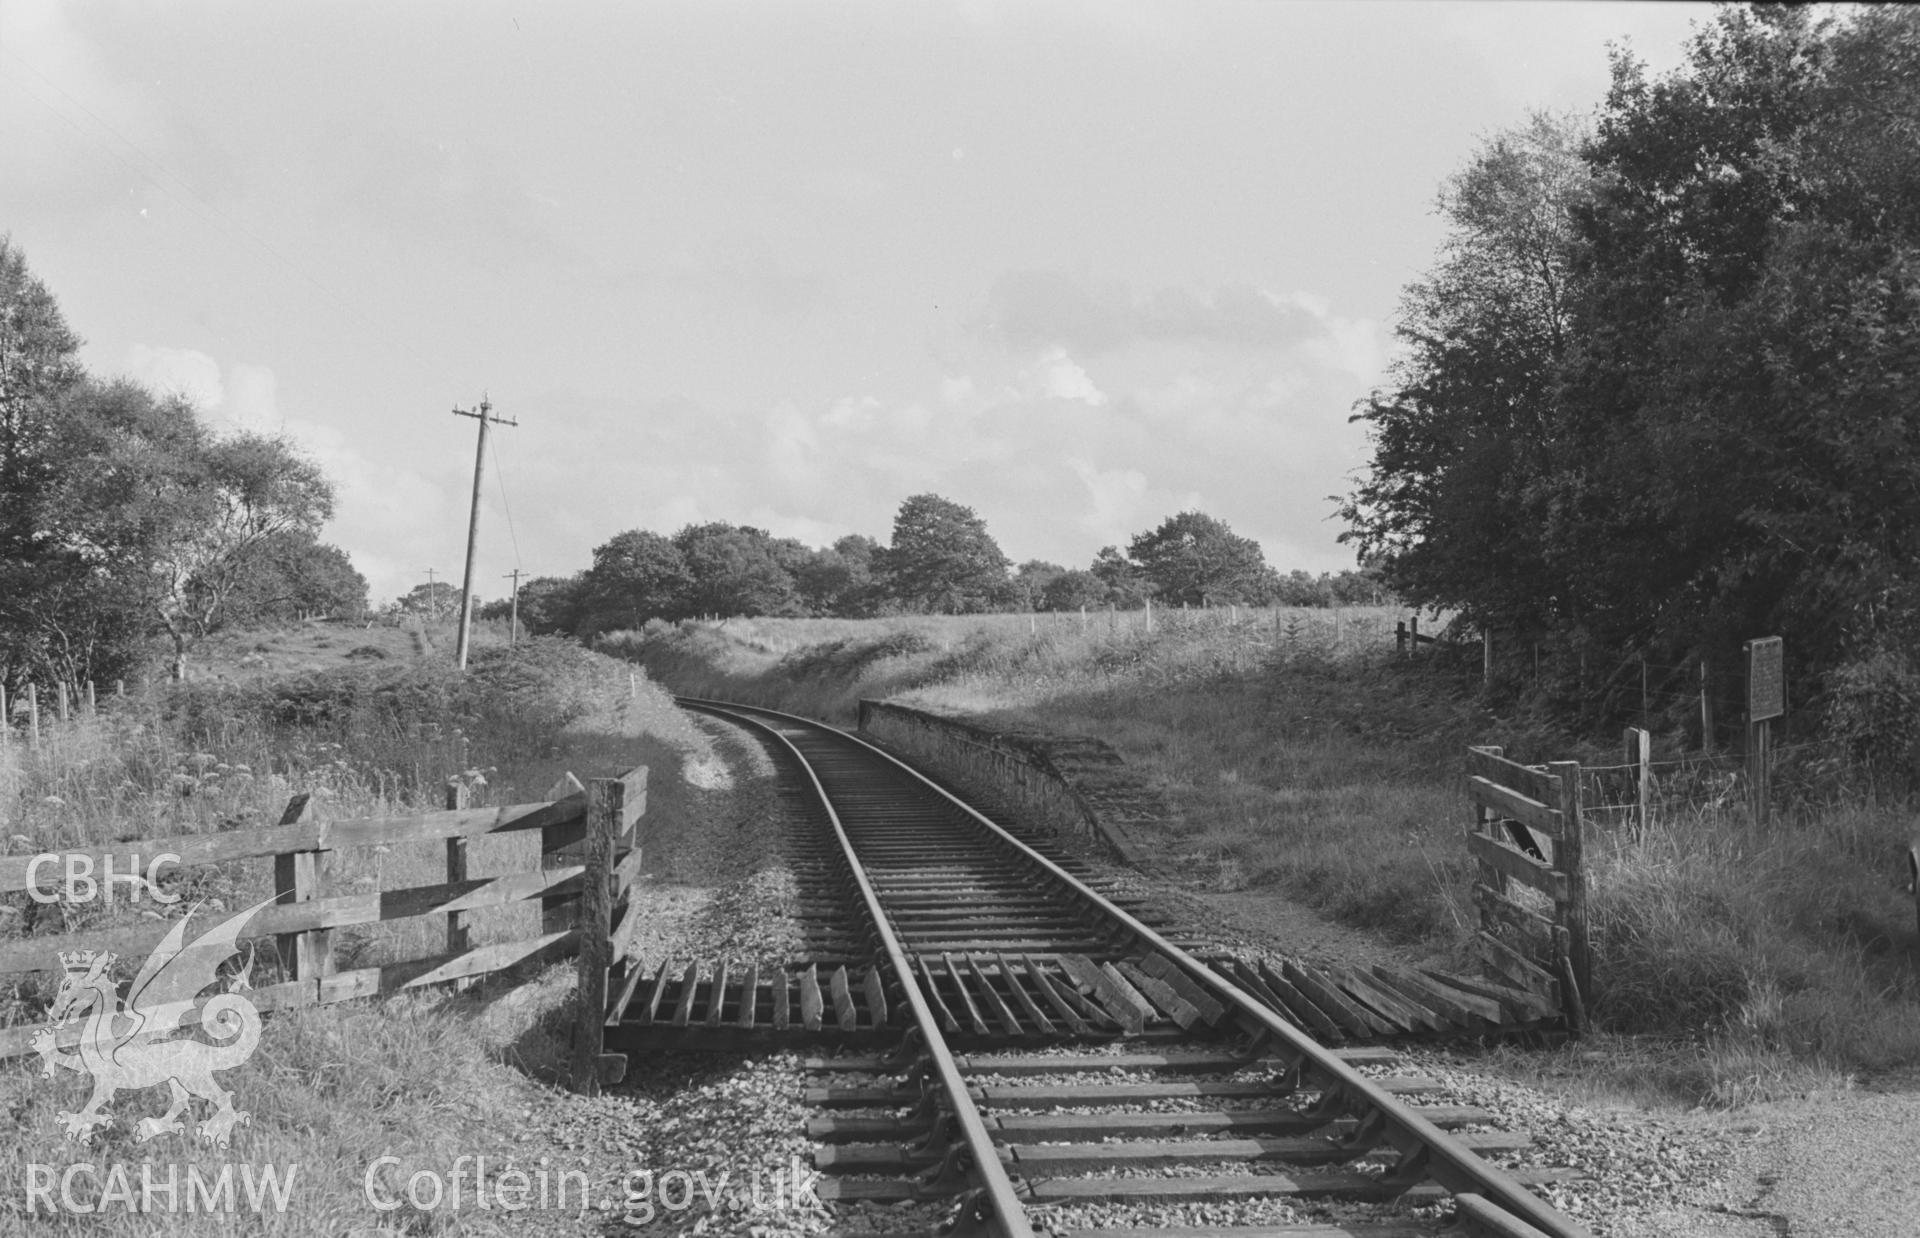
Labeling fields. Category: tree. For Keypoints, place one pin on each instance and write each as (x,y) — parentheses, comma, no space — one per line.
(1073,589)
(636,575)
(1030,581)
(435,599)
(54,618)
(1298,588)
(173,514)
(1450,506)
(1696,426)
(839,579)
(294,574)
(548,605)
(1119,578)
(736,570)
(1194,559)
(942,559)
(38,365)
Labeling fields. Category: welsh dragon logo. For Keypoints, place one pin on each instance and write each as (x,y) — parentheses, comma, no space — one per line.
(139,1044)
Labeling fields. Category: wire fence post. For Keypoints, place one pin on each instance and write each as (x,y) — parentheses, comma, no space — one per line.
(1706,706)
(1639,753)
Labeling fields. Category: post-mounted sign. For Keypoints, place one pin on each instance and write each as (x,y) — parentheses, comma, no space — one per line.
(1766,679)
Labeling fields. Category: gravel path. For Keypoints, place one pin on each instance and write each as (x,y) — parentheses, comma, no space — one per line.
(1839,1162)
(717,885)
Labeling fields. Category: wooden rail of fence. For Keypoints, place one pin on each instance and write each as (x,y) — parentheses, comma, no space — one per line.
(589,861)
(1528,833)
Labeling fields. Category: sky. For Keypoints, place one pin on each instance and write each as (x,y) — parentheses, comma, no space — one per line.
(1078,266)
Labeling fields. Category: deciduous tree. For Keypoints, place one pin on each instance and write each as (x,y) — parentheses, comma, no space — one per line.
(942,558)
(1194,559)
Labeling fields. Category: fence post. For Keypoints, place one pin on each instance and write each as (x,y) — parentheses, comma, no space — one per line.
(33,714)
(1400,639)
(93,705)
(1413,637)
(307,955)
(6,719)
(1639,751)
(1486,655)
(1706,707)
(606,799)
(60,690)
(459,796)
(1149,615)
(1569,857)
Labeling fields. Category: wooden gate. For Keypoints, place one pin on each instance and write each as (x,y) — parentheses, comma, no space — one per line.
(1530,883)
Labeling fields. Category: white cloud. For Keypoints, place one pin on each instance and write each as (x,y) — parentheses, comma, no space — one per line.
(1116,495)
(1057,376)
(177,371)
(251,400)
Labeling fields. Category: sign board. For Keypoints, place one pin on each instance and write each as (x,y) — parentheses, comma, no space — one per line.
(1766,678)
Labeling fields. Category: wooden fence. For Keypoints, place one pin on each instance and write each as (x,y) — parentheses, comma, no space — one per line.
(588,864)
(1531,886)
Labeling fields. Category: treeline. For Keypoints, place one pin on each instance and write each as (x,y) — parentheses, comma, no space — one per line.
(124,518)
(1661,389)
(940,559)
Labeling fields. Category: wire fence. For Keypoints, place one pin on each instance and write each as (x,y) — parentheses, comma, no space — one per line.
(1813,771)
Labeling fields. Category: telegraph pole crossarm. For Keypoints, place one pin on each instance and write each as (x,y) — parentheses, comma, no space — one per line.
(484,415)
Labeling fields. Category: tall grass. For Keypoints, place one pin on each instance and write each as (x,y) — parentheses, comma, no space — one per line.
(427,1076)
(824,666)
(1754,958)
(363,741)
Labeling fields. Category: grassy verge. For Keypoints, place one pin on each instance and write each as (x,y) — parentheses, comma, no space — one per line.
(1732,962)
(426,1078)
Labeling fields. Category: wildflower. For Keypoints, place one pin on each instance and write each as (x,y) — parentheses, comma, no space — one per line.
(55,800)
(200,760)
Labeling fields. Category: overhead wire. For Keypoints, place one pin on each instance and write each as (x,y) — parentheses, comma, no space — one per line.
(500,480)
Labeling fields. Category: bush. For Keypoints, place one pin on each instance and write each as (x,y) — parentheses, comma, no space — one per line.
(1874,708)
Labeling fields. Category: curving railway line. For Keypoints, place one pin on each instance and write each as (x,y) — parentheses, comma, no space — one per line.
(1138,1074)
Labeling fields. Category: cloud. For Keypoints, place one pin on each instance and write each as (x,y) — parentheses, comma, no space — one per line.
(177,371)
(251,401)
(1056,376)
(1036,310)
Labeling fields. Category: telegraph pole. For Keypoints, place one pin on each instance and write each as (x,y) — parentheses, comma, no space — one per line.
(486,418)
(433,599)
(513,622)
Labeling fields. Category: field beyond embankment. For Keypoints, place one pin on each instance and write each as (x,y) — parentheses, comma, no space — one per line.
(1307,765)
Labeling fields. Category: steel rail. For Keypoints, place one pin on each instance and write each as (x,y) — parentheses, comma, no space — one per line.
(1008,1217)
(1449,1163)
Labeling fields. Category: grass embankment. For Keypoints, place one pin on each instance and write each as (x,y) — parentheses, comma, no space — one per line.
(425,1077)
(1732,962)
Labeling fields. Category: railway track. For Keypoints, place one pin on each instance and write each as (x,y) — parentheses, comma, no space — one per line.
(1141,1076)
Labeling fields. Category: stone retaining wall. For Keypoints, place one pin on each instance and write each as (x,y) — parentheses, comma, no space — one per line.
(1071,784)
